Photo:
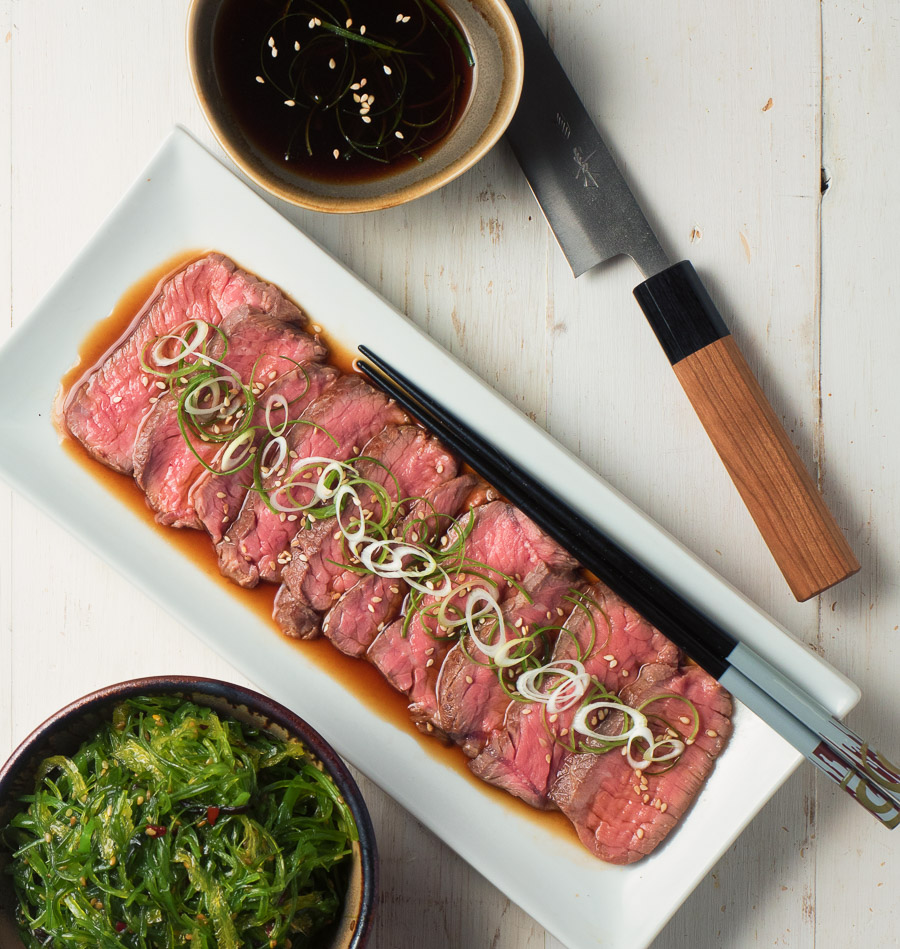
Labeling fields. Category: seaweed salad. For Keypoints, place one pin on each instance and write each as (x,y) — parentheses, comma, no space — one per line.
(176,826)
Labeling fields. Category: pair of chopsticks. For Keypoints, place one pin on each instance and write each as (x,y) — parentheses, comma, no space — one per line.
(782,703)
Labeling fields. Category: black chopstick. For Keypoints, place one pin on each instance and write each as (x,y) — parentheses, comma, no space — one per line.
(870,778)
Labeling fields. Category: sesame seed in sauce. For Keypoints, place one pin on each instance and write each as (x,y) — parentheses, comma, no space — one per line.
(613,663)
(711,733)
(429,664)
(639,833)
(663,808)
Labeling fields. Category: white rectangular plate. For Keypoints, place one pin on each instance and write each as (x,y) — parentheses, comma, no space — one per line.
(186,199)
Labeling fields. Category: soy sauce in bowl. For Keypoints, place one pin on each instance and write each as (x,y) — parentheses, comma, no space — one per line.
(342,90)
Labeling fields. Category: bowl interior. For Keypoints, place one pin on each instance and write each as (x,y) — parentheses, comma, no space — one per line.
(65,731)
(496,85)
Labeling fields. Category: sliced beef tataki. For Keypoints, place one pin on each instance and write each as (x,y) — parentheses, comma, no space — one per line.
(217,498)
(104,413)
(258,348)
(406,462)
(366,608)
(524,754)
(622,814)
(501,537)
(336,426)
(471,701)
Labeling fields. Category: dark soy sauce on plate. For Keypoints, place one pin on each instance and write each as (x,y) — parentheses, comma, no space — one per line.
(342,90)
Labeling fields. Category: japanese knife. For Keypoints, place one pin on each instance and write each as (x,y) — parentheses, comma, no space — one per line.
(595,217)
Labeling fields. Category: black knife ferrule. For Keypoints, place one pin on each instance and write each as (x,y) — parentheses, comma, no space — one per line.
(680,310)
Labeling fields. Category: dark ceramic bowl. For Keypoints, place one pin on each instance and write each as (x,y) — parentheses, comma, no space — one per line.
(497,84)
(65,731)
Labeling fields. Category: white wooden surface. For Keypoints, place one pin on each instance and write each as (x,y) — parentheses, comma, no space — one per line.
(723,116)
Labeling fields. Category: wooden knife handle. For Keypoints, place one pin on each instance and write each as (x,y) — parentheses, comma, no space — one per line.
(782,498)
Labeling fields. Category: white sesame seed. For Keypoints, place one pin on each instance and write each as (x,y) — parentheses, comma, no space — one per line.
(312,22)
(406,19)
(336,153)
(355,85)
(362,82)
(429,664)
(331,63)
(116,399)
(297,45)
(260,79)
(160,385)
(399,18)
(366,119)
(271,41)
(348,24)
(274,53)
(357,97)
(387,70)
(290,103)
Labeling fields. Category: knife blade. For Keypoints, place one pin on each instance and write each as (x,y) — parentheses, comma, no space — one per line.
(594,215)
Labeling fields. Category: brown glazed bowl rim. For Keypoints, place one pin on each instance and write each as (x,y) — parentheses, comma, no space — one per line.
(390,197)
(235,696)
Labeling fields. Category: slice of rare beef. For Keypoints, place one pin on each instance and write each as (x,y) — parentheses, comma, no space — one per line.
(366,608)
(622,814)
(217,498)
(501,537)
(335,426)
(104,412)
(406,462)
(256,346)
(613,642)
(471,700)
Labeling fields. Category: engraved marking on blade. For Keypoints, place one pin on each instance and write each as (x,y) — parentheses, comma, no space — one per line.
(584,168)
(564,126)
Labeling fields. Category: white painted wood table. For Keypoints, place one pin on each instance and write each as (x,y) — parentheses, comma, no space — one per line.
(730,120)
